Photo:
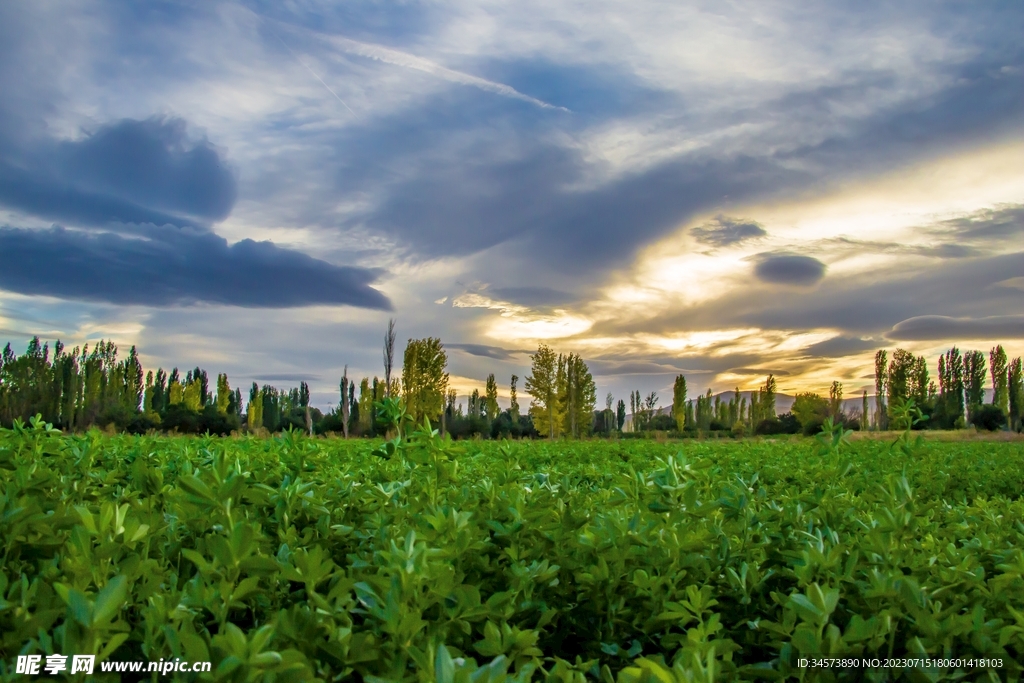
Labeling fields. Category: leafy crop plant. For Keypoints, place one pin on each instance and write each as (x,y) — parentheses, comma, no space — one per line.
(298,559)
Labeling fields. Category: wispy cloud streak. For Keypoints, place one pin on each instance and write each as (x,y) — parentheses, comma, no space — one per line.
(410,61)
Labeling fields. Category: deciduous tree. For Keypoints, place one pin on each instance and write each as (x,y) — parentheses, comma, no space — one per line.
(491,407)
(424,380)
(1000,382)
(542,386)
(679,402)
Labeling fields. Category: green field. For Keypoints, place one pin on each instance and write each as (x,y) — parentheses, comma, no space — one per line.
(297,559)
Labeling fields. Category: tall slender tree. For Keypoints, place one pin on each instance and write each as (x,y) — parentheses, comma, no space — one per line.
(542,385)
(835,398)
(974,382)
(679,401)
(881,381)
(344,405)
(255,408)
(514,406)
(577,395)
(1000,382)
(424,380)
(1015,391)
(389,355)
(491,407)
(223,394)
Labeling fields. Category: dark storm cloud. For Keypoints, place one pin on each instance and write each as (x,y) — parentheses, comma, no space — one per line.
(837,347)
(148,179)
(725,232)
(56,201)
(485,351)
(788,269)
(129,171)
(173,266)
(152,162)
(941,327)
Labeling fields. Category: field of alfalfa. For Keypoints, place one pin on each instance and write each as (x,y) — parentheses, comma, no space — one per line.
(295,559)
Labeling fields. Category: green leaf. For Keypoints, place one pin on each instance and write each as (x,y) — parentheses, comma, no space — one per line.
(444,667)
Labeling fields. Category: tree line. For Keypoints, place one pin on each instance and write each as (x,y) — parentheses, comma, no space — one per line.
(85,387)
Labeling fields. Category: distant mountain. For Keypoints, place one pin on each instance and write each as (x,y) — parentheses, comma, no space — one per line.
(783,404)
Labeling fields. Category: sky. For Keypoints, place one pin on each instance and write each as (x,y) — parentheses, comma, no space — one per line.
(714,189)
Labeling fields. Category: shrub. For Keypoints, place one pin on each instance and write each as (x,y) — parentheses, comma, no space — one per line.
(990,417)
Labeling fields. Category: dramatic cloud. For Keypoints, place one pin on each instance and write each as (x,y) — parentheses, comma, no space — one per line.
(840,346)
(129,171)
(553,174)
(152,162)
(51,200)
(941,327)
(724,232)
(176,267)
(788,269)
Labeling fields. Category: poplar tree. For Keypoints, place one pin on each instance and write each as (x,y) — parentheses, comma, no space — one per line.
(132,372)
(223,394)
(650,408)
(192,395)
(1000,381)
(491,407)
(389,356)
(974,382)
(577,395)
(254,410)
(365,407)
(424,380)
(147,399)
(679,402)
(864,416)
(607,419)
(450,401)
(177,393)
(541,384)
(881,381)
(835,398)
(514,407)
(473,406)
(766,400)
(160,401)
(953,384)
(1015,391)
(344,406)
(620,414)
(634,409)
